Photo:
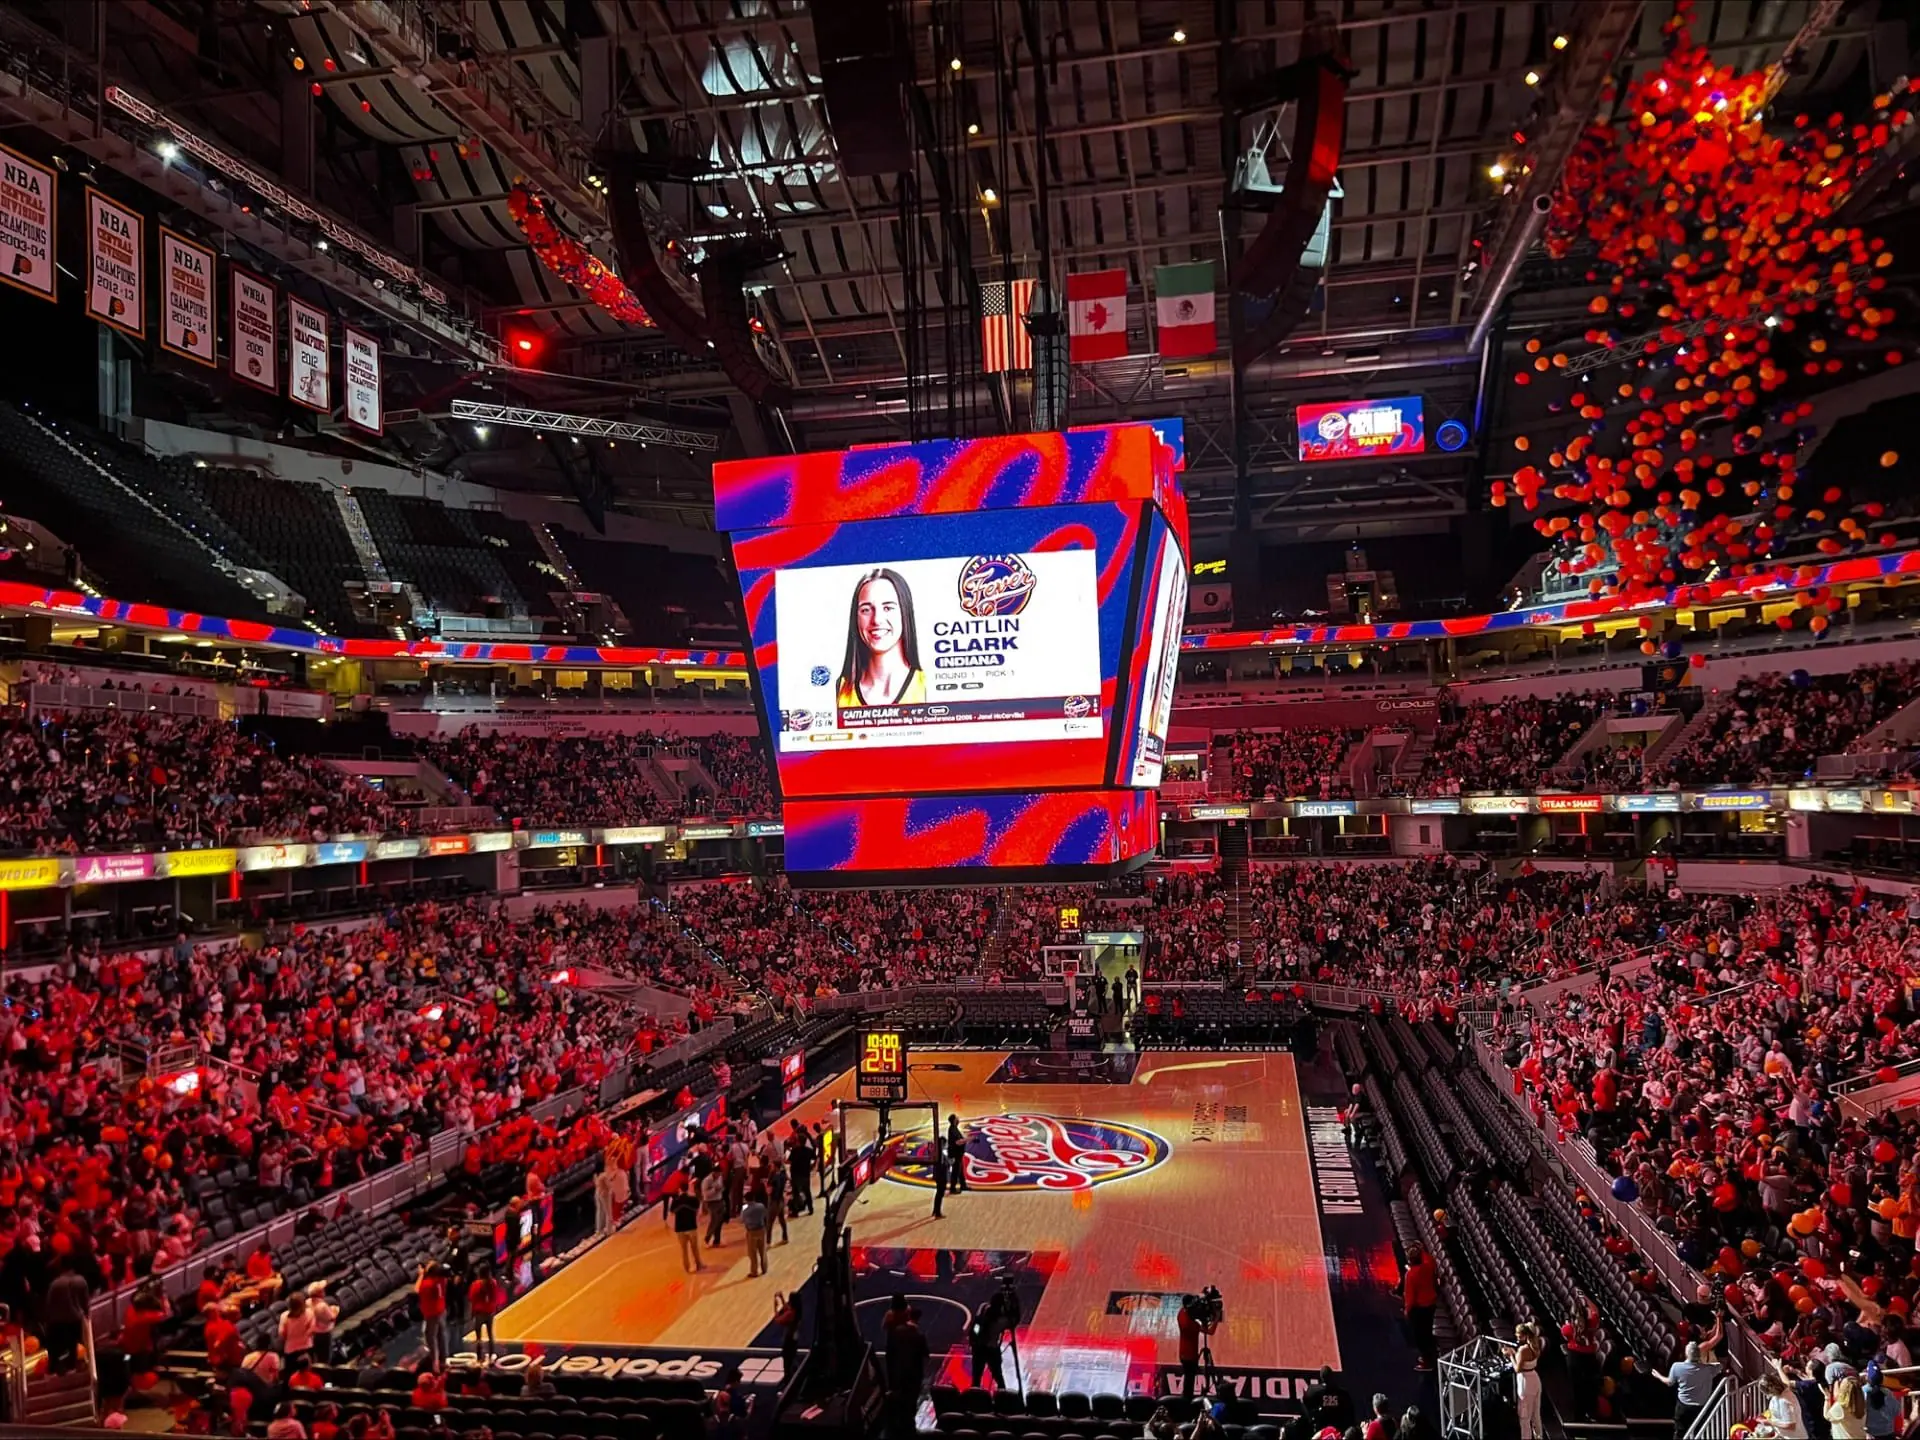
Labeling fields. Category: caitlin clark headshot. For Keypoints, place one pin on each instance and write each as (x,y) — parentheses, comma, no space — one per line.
(883,648)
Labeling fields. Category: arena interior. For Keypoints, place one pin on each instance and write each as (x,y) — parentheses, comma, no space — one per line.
(1025,719)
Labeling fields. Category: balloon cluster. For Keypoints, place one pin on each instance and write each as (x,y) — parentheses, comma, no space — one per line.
(571,261)
(1714,241)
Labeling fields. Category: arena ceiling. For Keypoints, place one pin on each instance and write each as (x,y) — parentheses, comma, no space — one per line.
(415,120)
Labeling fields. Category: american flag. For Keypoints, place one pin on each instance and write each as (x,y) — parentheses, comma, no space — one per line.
(1004,342)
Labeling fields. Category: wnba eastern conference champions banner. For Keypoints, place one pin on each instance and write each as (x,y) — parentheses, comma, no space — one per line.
(363,382)
(254,319)
(186,298)
(116,265)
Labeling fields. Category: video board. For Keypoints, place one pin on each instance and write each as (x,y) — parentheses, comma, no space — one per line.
(1362,429)
(949,638)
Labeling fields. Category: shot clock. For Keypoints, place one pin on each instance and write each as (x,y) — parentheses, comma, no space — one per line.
(882,1071)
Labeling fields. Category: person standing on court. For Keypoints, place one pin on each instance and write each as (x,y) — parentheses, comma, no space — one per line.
(686,1229)
(753,1216)
(939,1177)
(1419,1293)
(713,1196)
(800,1169)
(777,1200)
(956,1156)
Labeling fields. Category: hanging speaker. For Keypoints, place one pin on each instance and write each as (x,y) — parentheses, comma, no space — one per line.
(865,67)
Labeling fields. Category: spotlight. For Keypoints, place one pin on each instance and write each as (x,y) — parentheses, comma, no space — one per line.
(1497,170)
(1532,77)
(1560,42)
(1179,35)
(322,244)
(988,197)
(954,64)
(480,433)
(168,151)
(973,128)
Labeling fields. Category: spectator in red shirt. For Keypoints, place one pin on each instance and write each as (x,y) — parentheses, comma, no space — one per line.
(225,1349)
(431,1289)
(1420,1292)
(485,1297)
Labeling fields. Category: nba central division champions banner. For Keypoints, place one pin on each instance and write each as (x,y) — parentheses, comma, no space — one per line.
(116,265)
(26,224)
(186,298)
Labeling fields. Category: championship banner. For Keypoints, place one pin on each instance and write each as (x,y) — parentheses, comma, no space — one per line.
(27,209)
(308,381)
(253,315)
(363,382)
(116,265)
(186,298)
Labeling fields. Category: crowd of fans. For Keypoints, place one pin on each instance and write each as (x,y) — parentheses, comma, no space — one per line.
(1506,745)
(128,779)
(1778,726)
(604,779)
(1278,764)
(1706,1085)
(738,765)
(323,1056)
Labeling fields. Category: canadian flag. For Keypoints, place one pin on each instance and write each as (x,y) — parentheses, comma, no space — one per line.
(1097,316)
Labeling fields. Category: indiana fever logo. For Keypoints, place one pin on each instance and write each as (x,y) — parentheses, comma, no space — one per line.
(995,585)
(1042,1152)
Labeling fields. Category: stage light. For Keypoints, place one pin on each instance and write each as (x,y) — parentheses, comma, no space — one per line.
(954,64)
(1532,77)
(480,433)
(168,151)
(1179,35)
(524,347)
(988,197)
(1497,170)
(973,128)
(1560,42)
(321,244)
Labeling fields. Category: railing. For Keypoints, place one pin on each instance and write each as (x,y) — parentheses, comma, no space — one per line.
(1731,1404)
(40,697)
(15,1363)
(1744,1350)
(93,1368)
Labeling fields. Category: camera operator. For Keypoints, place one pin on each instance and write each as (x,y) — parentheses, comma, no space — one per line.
(1199,1317)
(983,1340)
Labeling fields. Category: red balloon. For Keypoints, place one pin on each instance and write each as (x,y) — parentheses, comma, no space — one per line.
(1813,1267)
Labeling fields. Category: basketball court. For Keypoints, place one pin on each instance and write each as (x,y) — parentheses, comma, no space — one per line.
(1102,1186)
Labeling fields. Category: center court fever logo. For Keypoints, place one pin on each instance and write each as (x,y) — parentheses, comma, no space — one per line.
(1050,1153)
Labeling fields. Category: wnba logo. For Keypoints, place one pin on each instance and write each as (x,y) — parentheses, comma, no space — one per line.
(993,585)
(1042,1152)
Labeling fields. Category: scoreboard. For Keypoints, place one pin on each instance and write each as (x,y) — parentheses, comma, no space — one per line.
(964,651)
(882,1072)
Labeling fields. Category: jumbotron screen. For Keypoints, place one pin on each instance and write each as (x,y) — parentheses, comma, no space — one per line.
(990,625)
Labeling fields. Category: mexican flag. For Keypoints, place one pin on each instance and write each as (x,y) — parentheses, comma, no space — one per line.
(1183,305)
